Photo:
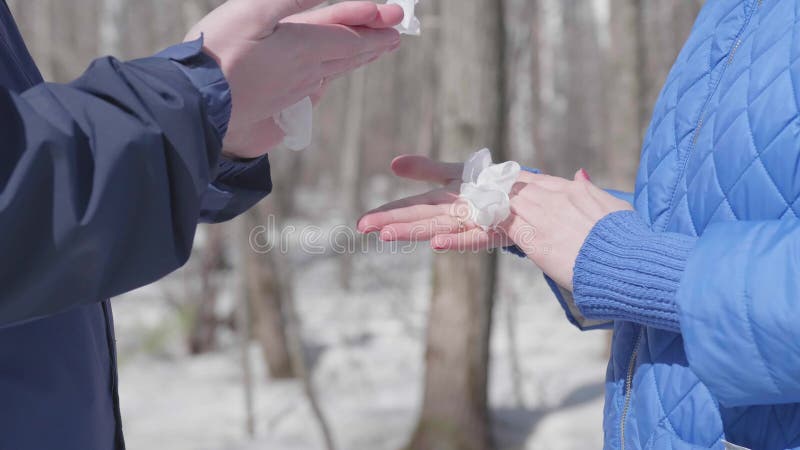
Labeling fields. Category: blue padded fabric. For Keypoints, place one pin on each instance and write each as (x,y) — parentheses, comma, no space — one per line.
(720,163)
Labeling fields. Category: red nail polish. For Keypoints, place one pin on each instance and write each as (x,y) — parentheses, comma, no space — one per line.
(586,175)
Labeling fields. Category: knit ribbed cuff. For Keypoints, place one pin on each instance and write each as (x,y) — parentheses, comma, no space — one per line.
(627,272)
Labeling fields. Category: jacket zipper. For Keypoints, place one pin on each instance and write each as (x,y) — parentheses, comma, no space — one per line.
(699,125)
(628,385)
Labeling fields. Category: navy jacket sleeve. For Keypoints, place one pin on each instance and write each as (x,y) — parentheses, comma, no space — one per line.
(101,184)
(238,185)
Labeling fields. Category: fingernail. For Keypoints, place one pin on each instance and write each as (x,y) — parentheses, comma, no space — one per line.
(586,175)
(439,244)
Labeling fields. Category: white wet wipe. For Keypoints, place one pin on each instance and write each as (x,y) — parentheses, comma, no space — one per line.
(410,24)
(297,123)
(486,188)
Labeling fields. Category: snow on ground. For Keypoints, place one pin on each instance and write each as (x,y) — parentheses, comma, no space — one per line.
(367,347)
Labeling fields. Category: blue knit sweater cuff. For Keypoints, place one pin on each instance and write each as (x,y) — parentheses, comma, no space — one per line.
(627,272)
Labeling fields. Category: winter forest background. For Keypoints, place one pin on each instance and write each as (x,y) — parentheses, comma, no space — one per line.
(380,347)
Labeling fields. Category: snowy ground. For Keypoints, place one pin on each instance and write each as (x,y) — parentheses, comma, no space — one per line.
(368,347)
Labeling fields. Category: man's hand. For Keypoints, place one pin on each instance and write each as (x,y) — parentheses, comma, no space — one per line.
(274,53)
(550,218)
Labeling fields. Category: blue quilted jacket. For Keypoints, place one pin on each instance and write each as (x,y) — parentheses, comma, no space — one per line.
(702,283)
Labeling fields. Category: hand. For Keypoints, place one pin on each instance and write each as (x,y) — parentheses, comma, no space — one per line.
(274,54)
(551,217)
(420,217)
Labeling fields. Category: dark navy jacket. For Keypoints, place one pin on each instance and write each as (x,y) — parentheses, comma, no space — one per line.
(102,184)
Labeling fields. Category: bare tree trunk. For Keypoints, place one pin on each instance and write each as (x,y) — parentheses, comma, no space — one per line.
(203,331)
(521,73)
(34,18)
(645,36)
(271,292)
(625,93)
(550,86)
(298,356)
(111,27)
(265,292)
(243,327)
(454,412)
(662,30)
(513,350)
(350,178)
(582,143)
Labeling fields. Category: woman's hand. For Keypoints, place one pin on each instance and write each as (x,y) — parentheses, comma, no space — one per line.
(274,54)
(559,214)
(550,220)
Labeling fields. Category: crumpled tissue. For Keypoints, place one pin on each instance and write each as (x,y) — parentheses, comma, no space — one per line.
(297,123)
(410,24)
(486,187)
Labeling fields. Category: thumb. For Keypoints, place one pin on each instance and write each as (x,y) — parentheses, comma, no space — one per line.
(265,15)
(582,175)
(422,168)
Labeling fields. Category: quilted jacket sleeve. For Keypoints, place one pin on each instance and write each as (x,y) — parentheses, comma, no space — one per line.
(733,294)
(739,309)
(101,183)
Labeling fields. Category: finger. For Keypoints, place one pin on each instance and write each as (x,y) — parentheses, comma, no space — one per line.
(273,11)
(331,70)
(378,220)
(339,67)
(530,195)
(309,89)
(331,42)
(406,210)
(530,177)
(355,13)
(317,95)
(475,239)
(424,230)
(388,16)
(517,230)
(582,175)
(542,190)
(548,182)
(257,19)
(436,197)
(422,168)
